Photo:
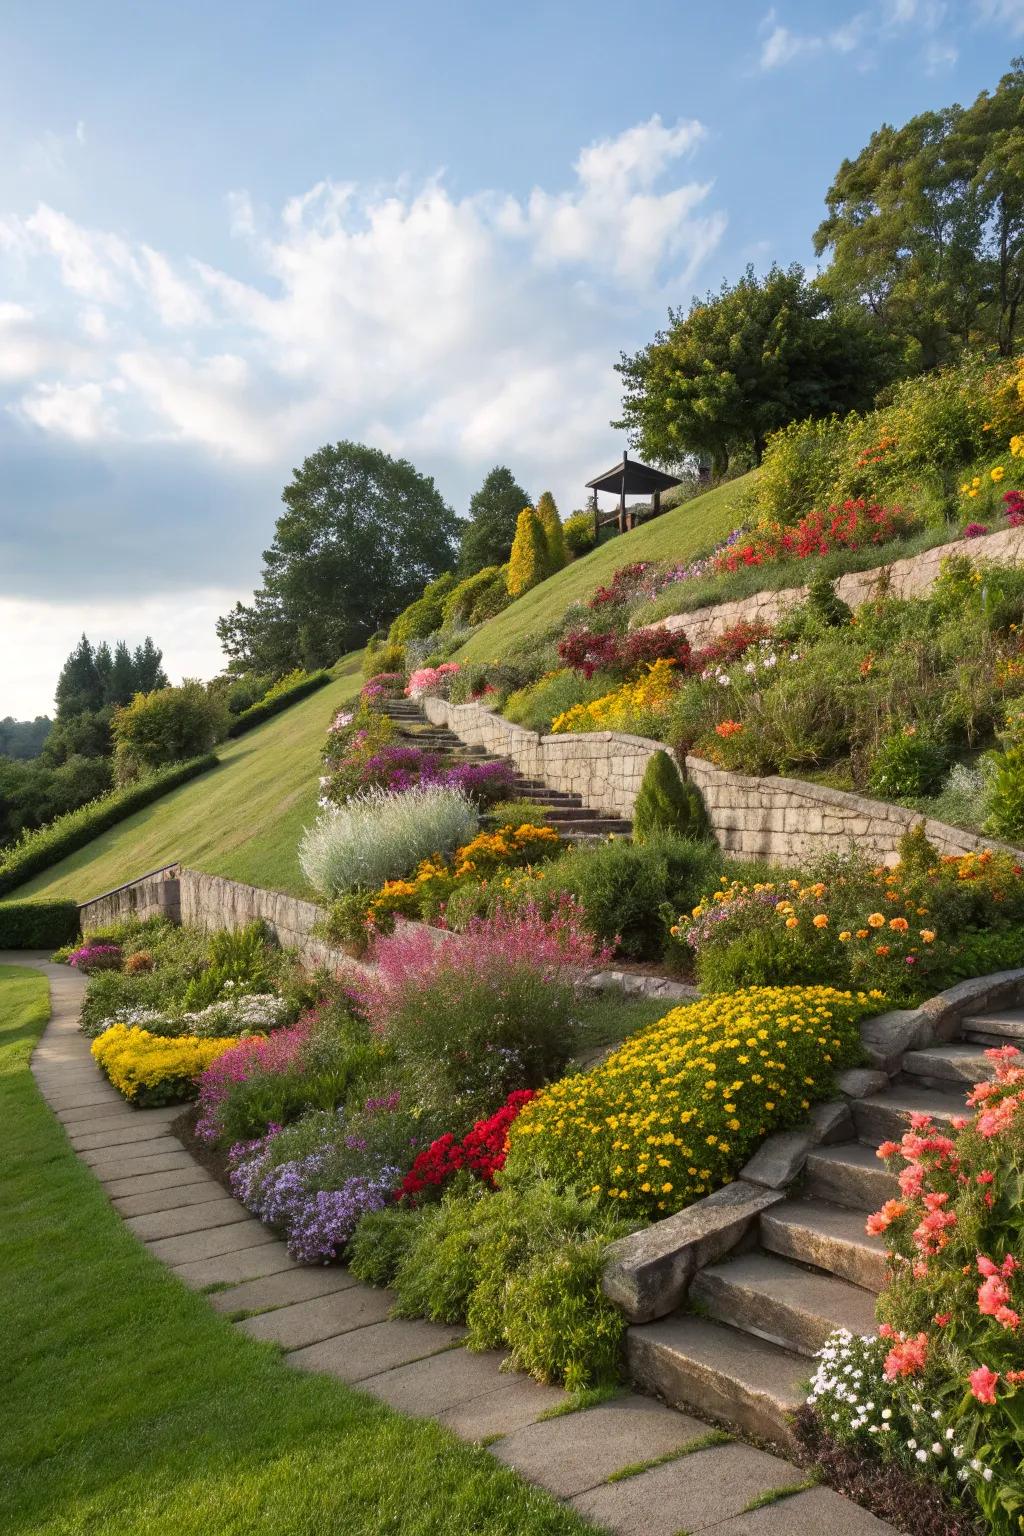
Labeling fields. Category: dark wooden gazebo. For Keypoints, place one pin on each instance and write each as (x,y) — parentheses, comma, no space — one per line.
(629,478)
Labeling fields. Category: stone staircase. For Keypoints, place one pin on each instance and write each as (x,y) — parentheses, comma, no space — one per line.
(739,1349)
(565,812)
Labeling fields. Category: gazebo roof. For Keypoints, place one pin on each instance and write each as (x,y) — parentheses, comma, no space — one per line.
(631,478)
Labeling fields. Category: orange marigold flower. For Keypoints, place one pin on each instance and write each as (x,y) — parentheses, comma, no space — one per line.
(821,921)
(876,920)
(898,924)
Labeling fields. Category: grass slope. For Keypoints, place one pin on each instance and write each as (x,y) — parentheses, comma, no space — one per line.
(133,1408)
(676,535)
(242,819)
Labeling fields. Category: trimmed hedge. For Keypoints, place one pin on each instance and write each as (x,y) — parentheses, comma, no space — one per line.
(267,708)
(38,924)
(47,845)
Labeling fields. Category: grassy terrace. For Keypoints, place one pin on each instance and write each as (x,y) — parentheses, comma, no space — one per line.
(241,820)
(133,1408)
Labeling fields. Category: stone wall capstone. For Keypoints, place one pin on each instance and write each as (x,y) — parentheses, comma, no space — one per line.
(785,820)
(912,577)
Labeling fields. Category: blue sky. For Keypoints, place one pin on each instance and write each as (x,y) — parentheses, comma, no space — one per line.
(230,233)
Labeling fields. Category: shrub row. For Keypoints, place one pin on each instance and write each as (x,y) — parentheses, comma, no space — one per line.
(267,708)
(38,924)
(38,850)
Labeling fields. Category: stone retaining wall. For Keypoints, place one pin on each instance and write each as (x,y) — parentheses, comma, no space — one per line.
(912,577)
(786,820)
(157,894)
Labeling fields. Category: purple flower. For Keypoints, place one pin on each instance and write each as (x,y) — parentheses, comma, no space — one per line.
(323,1224)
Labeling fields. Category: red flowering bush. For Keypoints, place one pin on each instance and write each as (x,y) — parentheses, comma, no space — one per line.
(623,656)
(851,526)
(482,1151)
(729,646)
(625,585)
(952,1312)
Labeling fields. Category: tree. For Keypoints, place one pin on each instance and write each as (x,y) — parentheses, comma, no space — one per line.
(551,523)
(361,535)
(149,673)
(744,362)
(528,563)
(168,725)
(925,227)
(124,677)
(79,687)
(487,537)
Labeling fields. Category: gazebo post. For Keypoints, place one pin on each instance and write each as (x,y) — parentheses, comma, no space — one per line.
(597,524)
(656,504)
(622,496)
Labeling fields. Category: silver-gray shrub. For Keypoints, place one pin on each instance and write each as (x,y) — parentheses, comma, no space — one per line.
(383,834)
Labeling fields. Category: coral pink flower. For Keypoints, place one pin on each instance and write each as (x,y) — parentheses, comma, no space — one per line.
(907,1356)
(891,1211)
(983,1384)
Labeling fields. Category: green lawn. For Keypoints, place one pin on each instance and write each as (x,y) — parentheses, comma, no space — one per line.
(242,819)
(676,535)
(131,1407)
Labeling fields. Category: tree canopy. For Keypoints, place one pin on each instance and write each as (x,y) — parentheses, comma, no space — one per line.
(493,510)
(740,363)
(361,535)
(925,227)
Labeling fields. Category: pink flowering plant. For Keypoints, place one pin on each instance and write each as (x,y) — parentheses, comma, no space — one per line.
(951,1334)
(431,682)
(89,958)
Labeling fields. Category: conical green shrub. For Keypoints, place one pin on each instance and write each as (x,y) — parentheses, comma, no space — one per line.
(528,563)
(668,803)
(547,516)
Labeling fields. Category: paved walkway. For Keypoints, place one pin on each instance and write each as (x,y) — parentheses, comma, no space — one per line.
(598,1460)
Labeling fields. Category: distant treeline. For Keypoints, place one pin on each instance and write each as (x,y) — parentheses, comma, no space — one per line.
(23,738)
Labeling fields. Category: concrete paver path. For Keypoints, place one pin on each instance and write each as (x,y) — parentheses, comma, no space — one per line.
(596,1459)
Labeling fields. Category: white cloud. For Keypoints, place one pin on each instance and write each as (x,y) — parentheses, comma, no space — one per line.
(781,45)
(79,412)
(468,324)
(939,54)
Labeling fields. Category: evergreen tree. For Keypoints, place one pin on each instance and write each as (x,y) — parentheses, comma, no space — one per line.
(547,513)
(123,679)
(667,803)
(149,674)
(487,538)
(528,563)
(79,688)
(104,669)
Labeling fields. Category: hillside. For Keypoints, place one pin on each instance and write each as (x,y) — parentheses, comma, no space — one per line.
(676,535)
(241,820)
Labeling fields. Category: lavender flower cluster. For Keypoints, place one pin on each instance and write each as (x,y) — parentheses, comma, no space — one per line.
(657,580)
(704,928)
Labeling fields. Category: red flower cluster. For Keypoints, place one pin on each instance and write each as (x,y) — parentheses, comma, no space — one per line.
(1013,507)
(851,526)
(624,586)
(482,1151)
(729,646)
(588,651)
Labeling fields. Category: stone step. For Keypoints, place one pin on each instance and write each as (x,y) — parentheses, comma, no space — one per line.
(1004,1026)
(831,1237)
(954,1063)
(885,1116)
(850,1175)
(775,1300)
(595,828)
(692,1362)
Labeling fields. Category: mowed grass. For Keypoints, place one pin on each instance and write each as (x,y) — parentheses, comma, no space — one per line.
(676,535)
(131,1409)
(242,819)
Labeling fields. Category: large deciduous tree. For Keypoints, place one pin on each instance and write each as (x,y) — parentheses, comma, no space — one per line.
(361,535)
(925,227)
(741,363)
(486,538)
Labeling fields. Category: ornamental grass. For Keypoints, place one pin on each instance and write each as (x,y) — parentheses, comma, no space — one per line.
(151,1069)
(677,1110)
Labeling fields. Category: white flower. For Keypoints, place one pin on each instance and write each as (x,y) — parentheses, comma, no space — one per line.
(987,1474)
(921,1455)
(937,1448)
(886,1413)
(911,1445)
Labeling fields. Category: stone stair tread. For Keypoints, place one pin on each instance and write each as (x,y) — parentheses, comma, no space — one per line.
(957,1062)
(831,1237)
(850,1174)
(778,1300)
(1004,1024)
(693,1362)
(885,1116)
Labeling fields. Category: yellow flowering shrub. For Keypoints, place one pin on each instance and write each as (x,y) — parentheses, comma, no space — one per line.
(677,1110)
(155,1069)
(624,708)
(422,895)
